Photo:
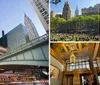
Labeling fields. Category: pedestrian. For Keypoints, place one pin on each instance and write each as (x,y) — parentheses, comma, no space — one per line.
(86,82)
(94,81)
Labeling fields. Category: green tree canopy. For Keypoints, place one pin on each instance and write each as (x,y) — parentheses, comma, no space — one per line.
(56,23)
(76,24)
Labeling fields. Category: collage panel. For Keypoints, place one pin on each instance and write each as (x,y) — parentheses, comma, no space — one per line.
(74,63)
(41,42)
(24,42)
(77,20)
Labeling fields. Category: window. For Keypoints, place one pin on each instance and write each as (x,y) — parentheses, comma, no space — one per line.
(78,65)
(46,17)
(35,2)
(99,79)
(95,63)
(98,62)
(39,3)
(84,66)
(47,21)
(43,14)
(47,1)
(73,67)
(68,67)
(42,10)
(87,65)
(40,7)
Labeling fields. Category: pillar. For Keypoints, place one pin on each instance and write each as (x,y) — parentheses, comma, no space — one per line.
(77,79)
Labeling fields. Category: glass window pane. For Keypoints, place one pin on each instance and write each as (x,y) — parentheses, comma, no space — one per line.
(77,66)
(99,79)
(83,62)
(73,67)
(87,66)
(95,63)
(81,66)
(87,62)
(99,64)
(84,66)
(70,68)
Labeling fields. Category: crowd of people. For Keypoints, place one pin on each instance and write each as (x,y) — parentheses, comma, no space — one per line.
(90,80)
(73,37)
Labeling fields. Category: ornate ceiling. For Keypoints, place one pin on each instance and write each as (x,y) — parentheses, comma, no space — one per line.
(81,50)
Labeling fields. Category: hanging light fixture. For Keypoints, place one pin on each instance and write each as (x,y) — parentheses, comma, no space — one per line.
(72,59)
(73,49)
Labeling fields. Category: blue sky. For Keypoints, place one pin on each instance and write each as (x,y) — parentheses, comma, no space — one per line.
(73,3)
(12,14)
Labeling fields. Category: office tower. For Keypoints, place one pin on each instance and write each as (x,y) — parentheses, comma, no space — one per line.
(76,11)
(17,36)
(31,29)
(91,10)
(66,14)
(41,7)
(52,14)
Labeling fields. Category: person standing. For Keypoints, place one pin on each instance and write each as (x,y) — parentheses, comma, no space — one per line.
(86,82)
(94,81)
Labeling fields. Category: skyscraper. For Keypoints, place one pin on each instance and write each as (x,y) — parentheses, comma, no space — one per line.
(52,14)
(66,14)
(32,32)
(76,11)
(42,9)
(15,38)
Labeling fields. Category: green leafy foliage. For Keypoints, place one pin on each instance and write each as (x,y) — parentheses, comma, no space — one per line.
(77,24)
(56,23)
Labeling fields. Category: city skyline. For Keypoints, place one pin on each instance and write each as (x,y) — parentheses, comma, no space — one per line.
(81,4)
(12,14)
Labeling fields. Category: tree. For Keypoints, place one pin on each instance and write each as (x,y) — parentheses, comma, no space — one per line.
(56,23)
(80,24)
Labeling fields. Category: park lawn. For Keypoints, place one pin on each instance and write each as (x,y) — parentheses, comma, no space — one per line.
(56,37)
